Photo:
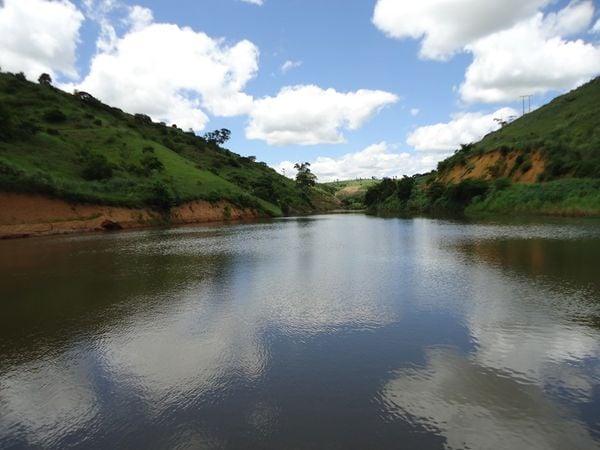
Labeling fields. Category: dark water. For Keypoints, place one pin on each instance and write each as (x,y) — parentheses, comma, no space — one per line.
(322,332)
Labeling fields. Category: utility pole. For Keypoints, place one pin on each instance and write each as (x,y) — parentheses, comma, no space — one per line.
(528,97)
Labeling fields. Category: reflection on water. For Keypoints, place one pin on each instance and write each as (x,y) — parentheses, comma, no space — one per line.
(327,332)
(475,406)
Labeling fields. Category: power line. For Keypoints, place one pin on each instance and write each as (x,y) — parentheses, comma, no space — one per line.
(528,97)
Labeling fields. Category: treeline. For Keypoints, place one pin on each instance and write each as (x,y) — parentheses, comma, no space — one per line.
(423,194)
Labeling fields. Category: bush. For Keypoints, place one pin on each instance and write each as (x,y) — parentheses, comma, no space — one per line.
(435,190)
(96,167)
(501,184)
(151,162)
(54,116)
(160,196)
(6,124)
(464,192)
(405,187)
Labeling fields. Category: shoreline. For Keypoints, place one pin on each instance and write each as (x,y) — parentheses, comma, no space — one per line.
(32,215)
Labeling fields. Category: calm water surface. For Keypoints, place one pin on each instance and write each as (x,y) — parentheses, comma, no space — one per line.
(322,332)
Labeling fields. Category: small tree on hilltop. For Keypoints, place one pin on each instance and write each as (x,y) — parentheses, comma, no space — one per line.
(305,178)
(218,137)
(45,79)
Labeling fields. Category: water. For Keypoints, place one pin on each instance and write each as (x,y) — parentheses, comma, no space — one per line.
(322,332)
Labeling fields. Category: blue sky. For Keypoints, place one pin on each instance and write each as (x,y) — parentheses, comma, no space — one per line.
(358,88)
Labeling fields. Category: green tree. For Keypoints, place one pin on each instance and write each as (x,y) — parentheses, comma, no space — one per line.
(405,187)
(305,178)
(218,137)
(45,79)
(6,124)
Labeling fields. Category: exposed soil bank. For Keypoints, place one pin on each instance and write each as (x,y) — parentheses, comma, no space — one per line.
(496,164)
(23,215)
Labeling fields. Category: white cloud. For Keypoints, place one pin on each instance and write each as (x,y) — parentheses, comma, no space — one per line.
(309,115)
(39,36)
(446,26)
(289,65)
(596,27)
(532,57)
(139,17)
(172,73)
(414,112)
(255,2)
(377,160)
(462,129)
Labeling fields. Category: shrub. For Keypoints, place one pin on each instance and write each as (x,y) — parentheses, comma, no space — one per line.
(54,116)
(404,188)
(465,191)
(435,190)
(6,124)
(501,184)
(96,167)
(151,162)
(160,196)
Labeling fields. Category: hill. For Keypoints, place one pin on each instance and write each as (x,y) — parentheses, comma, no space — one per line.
(75,148)
(545,162)
(351,193)
(560,139)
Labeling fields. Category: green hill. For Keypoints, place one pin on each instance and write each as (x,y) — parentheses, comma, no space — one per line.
(76,148)
(546,162)
(351,193)
(565,133)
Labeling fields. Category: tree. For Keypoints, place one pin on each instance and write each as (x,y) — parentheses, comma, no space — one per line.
(305,178)
(45,79)
(405,187)
(6,124)
(218,137)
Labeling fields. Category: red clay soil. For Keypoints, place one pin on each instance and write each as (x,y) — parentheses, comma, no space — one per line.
(494,165)
(23,215)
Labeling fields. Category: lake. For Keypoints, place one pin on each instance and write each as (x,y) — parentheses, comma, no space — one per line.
(333,331)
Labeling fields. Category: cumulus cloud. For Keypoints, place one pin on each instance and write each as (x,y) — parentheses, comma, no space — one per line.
(39,36)
(172,73)
(533,57)
(139,17)
(596,27)
(462,129)
(289,65)
(254,2)
(415,112)
(377,160)
(446,26)
(309,115)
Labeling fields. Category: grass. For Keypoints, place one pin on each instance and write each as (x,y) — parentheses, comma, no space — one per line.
(567,197)
(350,192)
(55,143)
(566,130)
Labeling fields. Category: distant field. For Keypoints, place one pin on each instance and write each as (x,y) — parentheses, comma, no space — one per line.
(350,192)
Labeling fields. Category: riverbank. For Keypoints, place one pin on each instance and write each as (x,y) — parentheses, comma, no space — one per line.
(26,215)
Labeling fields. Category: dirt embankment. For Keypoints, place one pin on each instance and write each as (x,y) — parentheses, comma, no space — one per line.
(23,215)
(516,165)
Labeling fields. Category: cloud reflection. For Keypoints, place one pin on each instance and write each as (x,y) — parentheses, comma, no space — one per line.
(474,406)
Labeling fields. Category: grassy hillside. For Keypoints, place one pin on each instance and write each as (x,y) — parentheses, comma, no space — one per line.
(77,148)
(351,193)
(553,154)
(566,133)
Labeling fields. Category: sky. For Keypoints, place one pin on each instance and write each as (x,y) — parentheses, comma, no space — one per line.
(357,88)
